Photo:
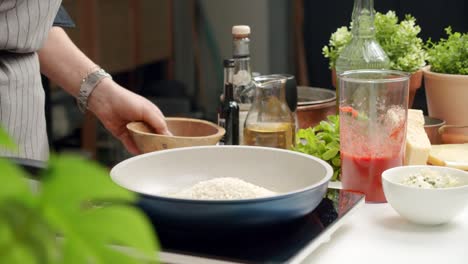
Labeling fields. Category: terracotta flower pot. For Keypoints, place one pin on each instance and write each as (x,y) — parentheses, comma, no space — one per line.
(447,96)
(415,84)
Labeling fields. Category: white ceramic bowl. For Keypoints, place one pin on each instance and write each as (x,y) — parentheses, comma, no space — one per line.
(425,206)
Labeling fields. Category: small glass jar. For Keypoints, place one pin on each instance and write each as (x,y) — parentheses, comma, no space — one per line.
(270,121)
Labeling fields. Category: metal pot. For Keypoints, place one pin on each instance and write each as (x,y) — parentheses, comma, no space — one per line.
(314,105)
(432,126)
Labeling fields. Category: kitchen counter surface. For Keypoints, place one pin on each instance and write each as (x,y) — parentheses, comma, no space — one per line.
(377,234)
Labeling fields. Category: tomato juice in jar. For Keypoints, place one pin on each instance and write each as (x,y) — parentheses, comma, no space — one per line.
(364,174)
(373,114)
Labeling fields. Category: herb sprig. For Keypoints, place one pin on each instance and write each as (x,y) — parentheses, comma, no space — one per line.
(338,40)
(322,141)
(449,55)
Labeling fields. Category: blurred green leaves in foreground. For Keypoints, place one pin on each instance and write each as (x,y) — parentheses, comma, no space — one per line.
(74,216)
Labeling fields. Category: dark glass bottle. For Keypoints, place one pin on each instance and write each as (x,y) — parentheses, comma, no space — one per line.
(228,112)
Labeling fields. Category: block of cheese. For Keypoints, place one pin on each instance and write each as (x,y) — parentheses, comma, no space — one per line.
(451,155)
(418,145)
(416,116)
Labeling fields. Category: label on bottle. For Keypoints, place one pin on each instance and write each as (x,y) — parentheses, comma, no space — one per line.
(242,77)
(243,111)
(222,123)
(240,48)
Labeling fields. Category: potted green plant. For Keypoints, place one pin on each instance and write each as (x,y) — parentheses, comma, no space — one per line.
(399,40)
(74,217)
(446,79)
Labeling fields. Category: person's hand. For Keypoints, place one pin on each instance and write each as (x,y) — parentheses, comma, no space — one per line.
(116,106)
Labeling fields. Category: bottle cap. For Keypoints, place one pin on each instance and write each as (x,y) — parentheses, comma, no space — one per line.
(229,63)
(241,30)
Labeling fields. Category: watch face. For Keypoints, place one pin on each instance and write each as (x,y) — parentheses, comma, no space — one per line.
(270,244)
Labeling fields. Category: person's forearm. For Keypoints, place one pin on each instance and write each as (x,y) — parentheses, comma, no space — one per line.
(112,104)
(63,63)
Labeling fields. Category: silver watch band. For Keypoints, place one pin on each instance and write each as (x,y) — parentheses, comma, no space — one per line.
(87,86)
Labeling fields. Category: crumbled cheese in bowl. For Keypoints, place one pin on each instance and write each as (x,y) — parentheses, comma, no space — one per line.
(223,189)
(430,179)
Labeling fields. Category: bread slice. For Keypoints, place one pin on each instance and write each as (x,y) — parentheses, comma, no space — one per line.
(451,155)
(418,145)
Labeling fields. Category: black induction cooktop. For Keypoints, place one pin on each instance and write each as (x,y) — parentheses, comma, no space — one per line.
(284,243)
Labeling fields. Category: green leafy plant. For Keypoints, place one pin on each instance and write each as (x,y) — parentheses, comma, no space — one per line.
(449,55)
(399,40)
(77,215)
(322,141)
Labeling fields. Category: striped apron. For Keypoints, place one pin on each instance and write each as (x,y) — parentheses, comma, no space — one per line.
(24,26)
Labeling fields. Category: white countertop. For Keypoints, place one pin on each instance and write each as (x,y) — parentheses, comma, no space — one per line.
(376,234)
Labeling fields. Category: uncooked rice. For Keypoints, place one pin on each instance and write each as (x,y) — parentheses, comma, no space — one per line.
(226,188)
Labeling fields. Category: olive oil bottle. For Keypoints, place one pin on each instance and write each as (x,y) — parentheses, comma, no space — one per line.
(244,86)
(275,135)
(270,122)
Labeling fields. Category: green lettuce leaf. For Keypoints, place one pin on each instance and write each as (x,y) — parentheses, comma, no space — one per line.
(322,141)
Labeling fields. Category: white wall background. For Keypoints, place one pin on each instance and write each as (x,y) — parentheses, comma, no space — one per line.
(223,14)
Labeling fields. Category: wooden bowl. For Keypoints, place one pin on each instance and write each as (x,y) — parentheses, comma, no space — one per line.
(186,132)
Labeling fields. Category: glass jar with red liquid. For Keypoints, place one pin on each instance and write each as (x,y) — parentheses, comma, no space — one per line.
(373,117)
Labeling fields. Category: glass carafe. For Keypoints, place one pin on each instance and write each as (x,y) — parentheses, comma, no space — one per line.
(270,122)
(363,51)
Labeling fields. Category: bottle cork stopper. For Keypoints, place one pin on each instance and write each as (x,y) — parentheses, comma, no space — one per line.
(241,30)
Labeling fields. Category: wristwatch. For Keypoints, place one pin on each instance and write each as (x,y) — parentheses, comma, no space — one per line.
(87,86)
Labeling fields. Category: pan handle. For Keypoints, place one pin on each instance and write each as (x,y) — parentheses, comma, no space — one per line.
(442,128)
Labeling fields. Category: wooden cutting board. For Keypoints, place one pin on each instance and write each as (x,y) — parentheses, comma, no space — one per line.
(450,155)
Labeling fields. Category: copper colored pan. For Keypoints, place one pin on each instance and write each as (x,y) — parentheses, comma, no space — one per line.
(314,105)
(440,133)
